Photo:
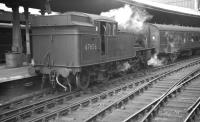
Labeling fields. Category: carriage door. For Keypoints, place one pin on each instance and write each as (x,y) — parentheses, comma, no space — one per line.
(103,38)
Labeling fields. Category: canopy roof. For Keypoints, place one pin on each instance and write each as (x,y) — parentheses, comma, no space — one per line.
(176,28)
(88,6)
(162,13)
(168,14)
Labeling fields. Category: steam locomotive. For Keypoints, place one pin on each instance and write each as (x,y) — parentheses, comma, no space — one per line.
(78,48)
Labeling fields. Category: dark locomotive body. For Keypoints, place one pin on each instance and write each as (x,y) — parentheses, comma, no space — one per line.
(80,47)
(84,47)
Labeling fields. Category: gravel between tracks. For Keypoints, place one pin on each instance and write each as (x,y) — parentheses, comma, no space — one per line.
(124,111)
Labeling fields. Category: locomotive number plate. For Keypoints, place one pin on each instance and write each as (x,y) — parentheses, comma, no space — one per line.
(89,47)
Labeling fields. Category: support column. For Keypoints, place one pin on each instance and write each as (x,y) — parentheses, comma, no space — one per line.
(196,4)
(16,31)
(28,50)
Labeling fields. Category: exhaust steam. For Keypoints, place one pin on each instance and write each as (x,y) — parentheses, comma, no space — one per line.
(129,17)
(154,61)
(124,67)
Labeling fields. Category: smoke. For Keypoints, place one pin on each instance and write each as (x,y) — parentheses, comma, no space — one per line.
(124,67)
(129,17)
(154,61)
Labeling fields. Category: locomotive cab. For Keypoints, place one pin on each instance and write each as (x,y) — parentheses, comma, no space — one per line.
(107,31)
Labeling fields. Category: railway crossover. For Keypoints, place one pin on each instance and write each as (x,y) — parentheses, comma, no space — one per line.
(180,104)
(60,105)
(135,104)
(110,100)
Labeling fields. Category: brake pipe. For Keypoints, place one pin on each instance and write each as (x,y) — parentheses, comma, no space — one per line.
(65,88)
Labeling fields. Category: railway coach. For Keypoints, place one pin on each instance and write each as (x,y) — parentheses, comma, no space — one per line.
(172,41)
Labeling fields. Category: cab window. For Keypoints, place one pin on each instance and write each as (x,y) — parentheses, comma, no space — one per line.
(109,29)
(114,29)
(96,26)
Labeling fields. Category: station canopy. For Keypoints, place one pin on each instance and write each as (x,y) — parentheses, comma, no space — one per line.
(162,13)
(88,6)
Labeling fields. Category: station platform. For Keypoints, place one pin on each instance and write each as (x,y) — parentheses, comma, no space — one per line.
(10,74)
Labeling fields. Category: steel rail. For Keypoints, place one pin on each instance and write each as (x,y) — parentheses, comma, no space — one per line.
(28,110)
(17,113)
(133,94)
(193,105)
(147,108)
(93,99)
(67,109)
(12,103)
(175,89)
(193,111)
(42,104)
(39,94)
(34,107)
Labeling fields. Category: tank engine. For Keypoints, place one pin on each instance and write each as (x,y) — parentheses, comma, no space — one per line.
(79,48)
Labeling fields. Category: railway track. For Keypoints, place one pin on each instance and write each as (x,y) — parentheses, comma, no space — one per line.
(193,112)
(20,101)
(180,104)
(72,107)
(39,108)
(132,105)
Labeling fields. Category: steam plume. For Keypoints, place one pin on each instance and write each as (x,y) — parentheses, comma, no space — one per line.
(129,17)
(154,61)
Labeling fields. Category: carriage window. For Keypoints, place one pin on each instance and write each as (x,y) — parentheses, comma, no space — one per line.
(196,39)
(193,38)
(114,29)
(187,37)
(153,37)
(96,26)
(184,40)
(109,30)
(180,37)
(102,33)
(102,28)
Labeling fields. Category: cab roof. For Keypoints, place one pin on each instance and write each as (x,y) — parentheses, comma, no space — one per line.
(96,17)
(69,18)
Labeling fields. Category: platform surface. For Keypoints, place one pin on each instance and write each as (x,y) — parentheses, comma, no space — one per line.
(10,74)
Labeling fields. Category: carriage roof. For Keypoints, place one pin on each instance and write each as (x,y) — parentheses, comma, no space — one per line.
(176,28)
